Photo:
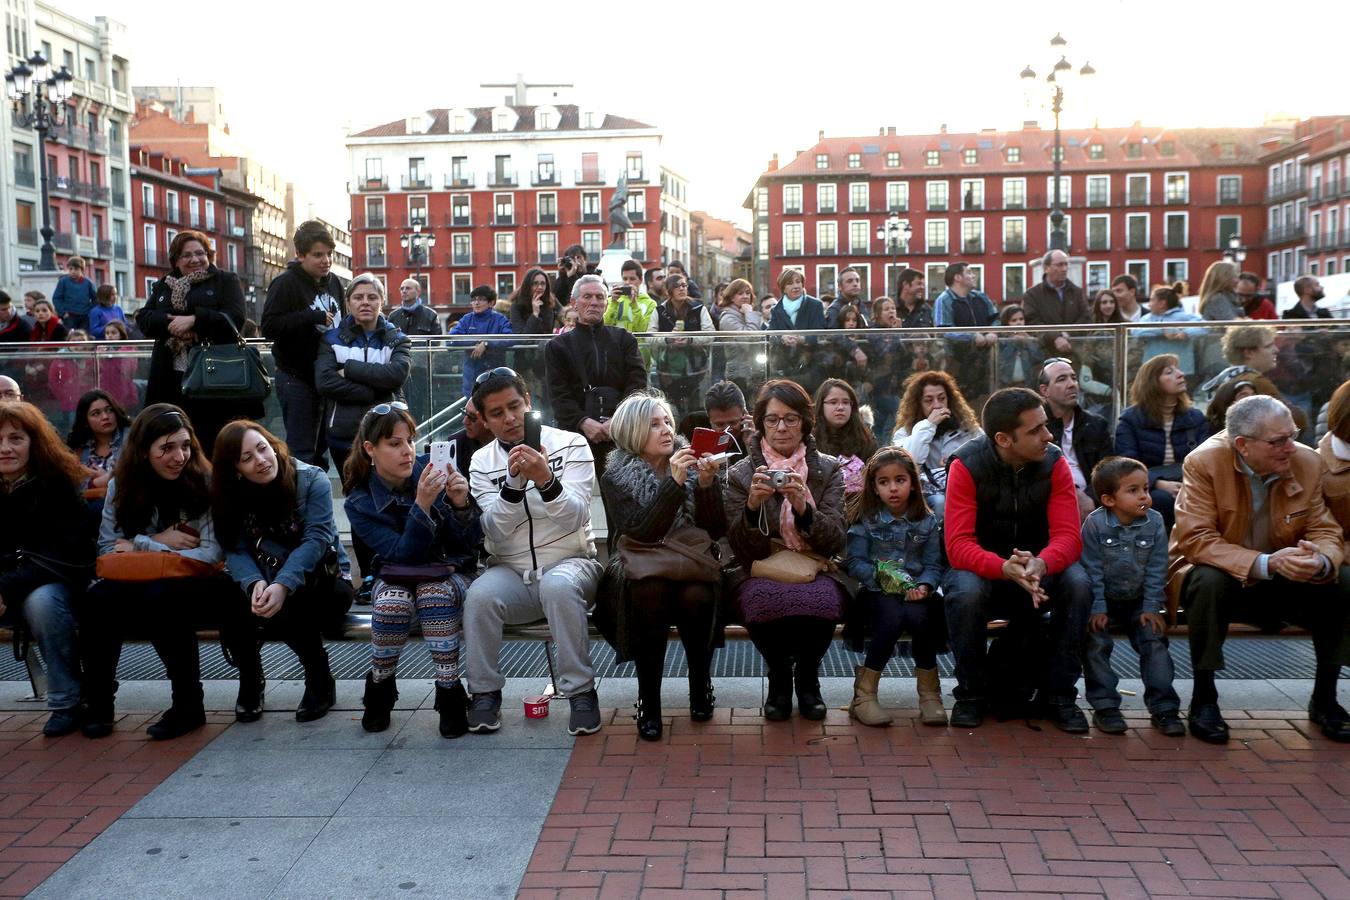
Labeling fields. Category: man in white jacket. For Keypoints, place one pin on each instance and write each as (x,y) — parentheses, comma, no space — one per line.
(536,519)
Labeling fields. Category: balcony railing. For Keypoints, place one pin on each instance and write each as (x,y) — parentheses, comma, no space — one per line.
(374,222)
(639,216)
(1098,243)
(590,218)
(549,258)
(373,183)
(105,249)
(1178,198)
(150,258)
(1280,189)
(1284,234)
(1014,202)
(418,181)
(937,249)
(825,210)
(505,259)
(550,219)
(64,240)
(507,219)
(455,221)
(972,204)
(501,179)
(173,214)
(792,251)
(1229,199)
(787,211)
(377,261)
(459,180)
(973,246)
(936,206)
(1098,200)
(28,237)
(1136,198)
(1136,242)
(119,198)
(1175,242)
(461,259)
(1014,245)
(120,250)
(541,179)
(590,176)
(637,177)
(827,249)
(25,178)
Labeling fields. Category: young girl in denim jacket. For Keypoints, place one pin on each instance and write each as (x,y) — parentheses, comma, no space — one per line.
(895,552)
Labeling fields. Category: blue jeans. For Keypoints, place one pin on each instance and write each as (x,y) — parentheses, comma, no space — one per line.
(49,615)
(302,414)
(971,602)
(1155,664)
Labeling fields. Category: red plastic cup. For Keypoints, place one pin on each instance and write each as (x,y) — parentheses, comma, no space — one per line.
(536,707)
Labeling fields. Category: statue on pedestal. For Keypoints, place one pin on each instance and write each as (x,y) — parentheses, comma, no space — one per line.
(619,223)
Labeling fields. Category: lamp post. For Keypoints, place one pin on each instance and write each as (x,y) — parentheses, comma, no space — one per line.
(419,247)
(1058,239)
(1235,253)
(890,232)
(39,96)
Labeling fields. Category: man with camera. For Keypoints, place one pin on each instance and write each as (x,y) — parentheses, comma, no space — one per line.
(629,305)
(591,368)
(570,268)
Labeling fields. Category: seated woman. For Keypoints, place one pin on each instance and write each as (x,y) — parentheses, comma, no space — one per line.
(786,494)
(274,517)
(1232,390)
(100,428)
(45,560)
(1334,448)
(422,527)
(933,423)
(842,432)
(159,502)
(1159,428)
(654,488)
(1252,354)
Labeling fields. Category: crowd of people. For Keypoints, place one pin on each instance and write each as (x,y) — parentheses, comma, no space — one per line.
(856,485)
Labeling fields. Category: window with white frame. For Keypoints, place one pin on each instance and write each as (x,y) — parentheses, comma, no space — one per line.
(822,160)
(972,193)
(932,277)
(461,249)
(761,201)
(591,242)
(1138,270)
(637,206)
(233,255)
(1068,231)
(1137,190)
(1230,189)
(859,237)
(194,211)
(1014,280)
(1098,277)
(1015,234)
(1175,225)
(937,196)
(1014,193)
(827,238)
(1099,190)
(792,199)
(506,248)
(897,196)
(826,197)
(590,206)
(546,207)
(892,159)
(932,157)
(826,279)
(762,240)
(855,160)
(506,284)
(504,209)
(935,235)
(1178,187)
(970,156)
(972,236)
(1065,199)
(1012,154)
(1136,231)
(1099,232)
(792,238)
(548,246)
(1226,228)
(1175,270)
(171,205)
(635,241)
(151,236)
(459,211)
(857,196)
(462,286)
(375,250)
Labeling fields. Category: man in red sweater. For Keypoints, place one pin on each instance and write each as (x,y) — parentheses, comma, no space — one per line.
(1013,541)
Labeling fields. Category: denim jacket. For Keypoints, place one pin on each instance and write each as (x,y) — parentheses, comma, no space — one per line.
(883,536)
(1125,562)
(397,530)
(314,503)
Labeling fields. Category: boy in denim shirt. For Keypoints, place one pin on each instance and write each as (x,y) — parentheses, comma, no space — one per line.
(1125,556)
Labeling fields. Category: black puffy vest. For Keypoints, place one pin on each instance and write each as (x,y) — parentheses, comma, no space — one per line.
(1010,507)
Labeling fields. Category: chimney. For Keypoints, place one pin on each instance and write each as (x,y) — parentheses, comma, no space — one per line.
(881,132)
(820,135)
(890,131)
(773,163)
(943,129)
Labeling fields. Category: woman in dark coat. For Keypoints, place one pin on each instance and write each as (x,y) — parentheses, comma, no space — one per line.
(195,302)
(653,486)
(791,625)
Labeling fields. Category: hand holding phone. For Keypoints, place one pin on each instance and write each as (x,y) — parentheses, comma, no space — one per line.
(534,425)
(443,455)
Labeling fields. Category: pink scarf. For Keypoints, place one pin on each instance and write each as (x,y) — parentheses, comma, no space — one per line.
(787,522)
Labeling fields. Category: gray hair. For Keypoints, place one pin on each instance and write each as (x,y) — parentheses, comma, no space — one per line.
(632,420)
(365,278)
(586,279)
(1249,415)
(1050,257)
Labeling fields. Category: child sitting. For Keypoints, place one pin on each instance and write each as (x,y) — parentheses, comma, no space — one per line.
(1125,556)
(895,552)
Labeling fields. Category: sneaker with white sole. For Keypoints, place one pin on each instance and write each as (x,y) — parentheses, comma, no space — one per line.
(585,718)
(485,712)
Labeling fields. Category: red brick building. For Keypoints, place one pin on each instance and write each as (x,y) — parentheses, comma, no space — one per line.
(1307,195)
(1158,203)
(169,196)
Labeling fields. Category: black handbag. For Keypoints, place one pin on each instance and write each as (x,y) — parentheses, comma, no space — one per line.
(270,556)
(226,371)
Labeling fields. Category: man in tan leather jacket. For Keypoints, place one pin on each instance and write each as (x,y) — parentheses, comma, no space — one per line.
(1254,542)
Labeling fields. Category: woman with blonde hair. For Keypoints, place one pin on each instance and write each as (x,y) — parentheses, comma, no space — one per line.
(740,312)
(1218,293)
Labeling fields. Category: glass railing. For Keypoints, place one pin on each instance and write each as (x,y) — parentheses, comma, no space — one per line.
(1305,365)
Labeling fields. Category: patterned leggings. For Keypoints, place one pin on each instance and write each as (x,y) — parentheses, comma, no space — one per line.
(439,606)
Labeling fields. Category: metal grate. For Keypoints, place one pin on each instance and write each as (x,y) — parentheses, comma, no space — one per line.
(1247,657)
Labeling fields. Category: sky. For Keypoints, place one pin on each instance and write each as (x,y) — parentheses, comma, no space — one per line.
(728,84)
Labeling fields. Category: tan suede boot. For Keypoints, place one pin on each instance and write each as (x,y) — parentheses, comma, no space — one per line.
(865,707)
(930,697)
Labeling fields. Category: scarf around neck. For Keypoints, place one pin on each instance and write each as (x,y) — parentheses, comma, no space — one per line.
(178,291)
(787,521)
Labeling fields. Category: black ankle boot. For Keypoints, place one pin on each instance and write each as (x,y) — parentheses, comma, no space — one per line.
(248,705)
(98,715)
(701,699)
(649,723)
(778,705)
(809,702)
(320,695)
(176,722)
(379,701)
(453,705)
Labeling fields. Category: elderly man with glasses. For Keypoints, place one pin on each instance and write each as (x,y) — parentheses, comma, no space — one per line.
(10,392)
(1255,542)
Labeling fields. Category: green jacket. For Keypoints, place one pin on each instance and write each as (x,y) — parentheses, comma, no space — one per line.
(638,315)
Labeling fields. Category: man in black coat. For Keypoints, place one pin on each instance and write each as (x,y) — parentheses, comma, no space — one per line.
(570,268)
(591,368)
(1056,301)
(303,302)
(414,317)
(1084,439)
(1314,346)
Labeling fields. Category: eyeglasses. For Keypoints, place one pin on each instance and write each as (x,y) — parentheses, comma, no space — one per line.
(385,409)
(1045,364)
(1278,443)
(9,394)
(791,421)
(500,370)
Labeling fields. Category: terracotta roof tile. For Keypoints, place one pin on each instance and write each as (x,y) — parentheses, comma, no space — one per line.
(569,120)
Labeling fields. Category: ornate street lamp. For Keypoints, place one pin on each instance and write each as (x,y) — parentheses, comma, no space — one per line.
(39,96)
(890,233)
(1235,253)
(418,245)
(1060,70)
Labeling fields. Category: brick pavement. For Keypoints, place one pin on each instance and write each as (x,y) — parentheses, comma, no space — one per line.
(56,795)
(744,808)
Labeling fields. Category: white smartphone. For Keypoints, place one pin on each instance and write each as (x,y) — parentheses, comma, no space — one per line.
(443,454)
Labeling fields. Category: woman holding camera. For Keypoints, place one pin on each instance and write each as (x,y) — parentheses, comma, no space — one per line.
(786,494)
(274,517)
(656,490)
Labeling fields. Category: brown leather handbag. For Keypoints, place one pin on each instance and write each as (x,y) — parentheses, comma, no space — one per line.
(687,553)
(152,565)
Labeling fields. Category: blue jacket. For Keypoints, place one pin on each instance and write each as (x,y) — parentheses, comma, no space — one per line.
(1154,343)
(1139,437)
(397,531)
(314,504)
(883,536)
(948,310)
(100,316)
(70,298)
(1125,562)
(487,322)
(355,370)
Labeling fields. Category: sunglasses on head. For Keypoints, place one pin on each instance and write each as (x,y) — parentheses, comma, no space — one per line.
(500,370)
